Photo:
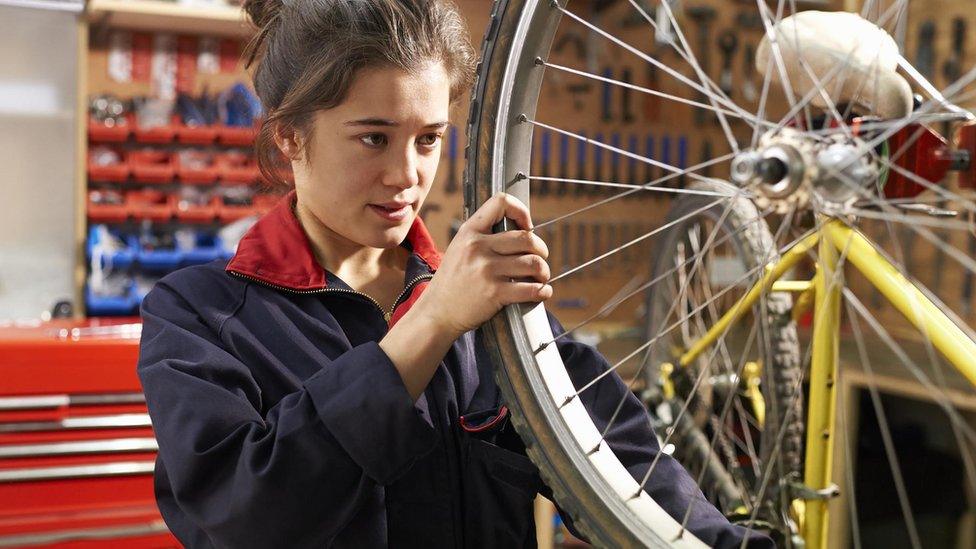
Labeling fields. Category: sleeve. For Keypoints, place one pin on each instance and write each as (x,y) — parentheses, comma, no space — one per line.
(305,462)
(635,444)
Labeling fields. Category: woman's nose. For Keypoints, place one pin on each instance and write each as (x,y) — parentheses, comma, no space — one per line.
(402,170)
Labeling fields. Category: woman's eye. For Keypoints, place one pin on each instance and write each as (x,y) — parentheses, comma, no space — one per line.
(429,140)
(373,139)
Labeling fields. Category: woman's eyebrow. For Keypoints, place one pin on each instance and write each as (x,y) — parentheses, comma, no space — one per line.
(392,123)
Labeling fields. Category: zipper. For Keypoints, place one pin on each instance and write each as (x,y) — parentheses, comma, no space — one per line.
(386,314)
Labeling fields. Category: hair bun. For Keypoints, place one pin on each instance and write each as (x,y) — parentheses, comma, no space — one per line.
(262,12)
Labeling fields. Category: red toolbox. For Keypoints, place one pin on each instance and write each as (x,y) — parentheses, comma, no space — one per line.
(76,446)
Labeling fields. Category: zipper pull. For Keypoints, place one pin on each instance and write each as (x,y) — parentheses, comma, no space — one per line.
(387,316)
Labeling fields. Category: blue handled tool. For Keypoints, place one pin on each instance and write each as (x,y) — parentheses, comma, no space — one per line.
(544,163)
(580,163)
(682,159)
(649,153)
(632,163)
(563,164)
(597,163)
(666,159)
(614,162)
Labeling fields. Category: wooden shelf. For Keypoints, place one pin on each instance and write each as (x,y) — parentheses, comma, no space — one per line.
(157,15)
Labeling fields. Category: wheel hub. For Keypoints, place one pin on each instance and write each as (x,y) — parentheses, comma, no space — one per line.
(789,170)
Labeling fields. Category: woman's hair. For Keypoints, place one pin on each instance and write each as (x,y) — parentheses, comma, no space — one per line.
(308,51)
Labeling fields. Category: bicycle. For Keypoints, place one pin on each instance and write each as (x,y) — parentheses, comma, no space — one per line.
(836,160)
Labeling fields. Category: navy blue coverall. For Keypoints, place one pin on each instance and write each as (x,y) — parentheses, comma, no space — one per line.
(282,423)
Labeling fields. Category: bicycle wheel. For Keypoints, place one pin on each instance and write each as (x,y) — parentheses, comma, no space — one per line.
(834,137)
(707,250)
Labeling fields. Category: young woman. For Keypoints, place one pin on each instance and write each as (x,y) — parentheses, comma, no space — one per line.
(324,387)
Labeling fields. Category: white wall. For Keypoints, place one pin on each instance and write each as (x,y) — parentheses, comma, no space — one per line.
(38,90)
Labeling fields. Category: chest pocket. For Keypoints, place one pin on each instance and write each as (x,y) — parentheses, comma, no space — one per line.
(499,482)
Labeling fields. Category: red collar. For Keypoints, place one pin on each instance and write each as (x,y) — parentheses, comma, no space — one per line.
(276,250)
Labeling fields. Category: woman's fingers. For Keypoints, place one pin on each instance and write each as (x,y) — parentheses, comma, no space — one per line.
(517,242)
(522,266)
(497,208)
(523,292)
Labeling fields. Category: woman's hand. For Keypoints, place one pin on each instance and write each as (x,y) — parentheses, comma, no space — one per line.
(474,280)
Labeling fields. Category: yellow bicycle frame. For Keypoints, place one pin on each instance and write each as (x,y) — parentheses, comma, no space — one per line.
(833,240)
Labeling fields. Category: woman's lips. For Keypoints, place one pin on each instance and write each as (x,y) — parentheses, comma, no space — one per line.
(391,214)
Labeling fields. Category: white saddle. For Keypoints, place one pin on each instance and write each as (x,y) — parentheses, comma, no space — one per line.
(824,40)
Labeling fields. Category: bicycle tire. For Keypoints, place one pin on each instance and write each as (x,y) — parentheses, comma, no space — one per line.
(751,238)
(591,497)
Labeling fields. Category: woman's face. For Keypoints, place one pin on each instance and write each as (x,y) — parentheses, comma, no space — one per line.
(372,158)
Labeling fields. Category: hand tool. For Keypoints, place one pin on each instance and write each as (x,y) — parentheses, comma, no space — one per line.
(606,96)
(633,231)
(452,182)
(706,155)
(925,52)
(581,248)
(596,229)
(749,91)
(614,164)
(728,43)
(967,282)
(597,164)
(626,113)
(571,37)
(578,91)
(702,16)
(633,178)
(682,159)
(649,171)
(750,19)
(563,164)
(581,147)
(572,303)
(650,103)
(612,244)
(665,34)
(952,68)
(544,162)
(566,240)
(665,159)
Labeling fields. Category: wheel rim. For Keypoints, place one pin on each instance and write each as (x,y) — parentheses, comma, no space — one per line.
(502,159)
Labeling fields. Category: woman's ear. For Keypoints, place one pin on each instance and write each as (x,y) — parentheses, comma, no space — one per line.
(289,142)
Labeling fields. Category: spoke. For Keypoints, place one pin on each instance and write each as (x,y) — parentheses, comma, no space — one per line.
(928,118)
(914,220)
(743,115)
(845,428)
(944,401)
(933,92)
(773,40)
(634,241)
(763,97)
(680,77)
(703,78)
(614,303)
(679,50)
(671,327)
(628,154)
(889,445)
(661,334)
(763,310)
(650,186)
